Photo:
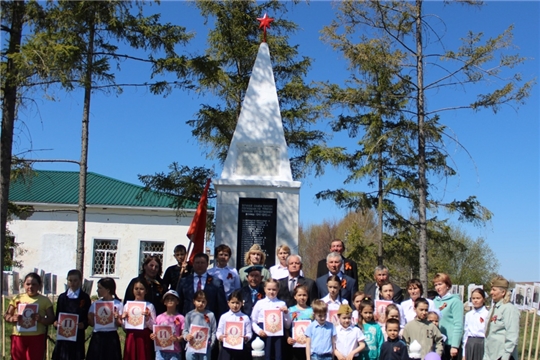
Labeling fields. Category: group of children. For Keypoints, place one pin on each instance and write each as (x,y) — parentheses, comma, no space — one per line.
(335,330)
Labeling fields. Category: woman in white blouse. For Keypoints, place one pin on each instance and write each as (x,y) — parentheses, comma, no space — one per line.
(474,328)
(415,290)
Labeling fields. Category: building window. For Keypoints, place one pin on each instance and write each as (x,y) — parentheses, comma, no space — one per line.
(105,257)
(151,248)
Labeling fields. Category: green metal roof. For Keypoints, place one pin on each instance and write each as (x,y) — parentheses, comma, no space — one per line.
(62,187)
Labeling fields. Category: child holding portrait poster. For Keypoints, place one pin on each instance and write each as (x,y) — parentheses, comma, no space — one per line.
(29,313)
(139,317)
(105,317)
(168,329)
(234,330)
(268,321)
(200,329)
(73,301)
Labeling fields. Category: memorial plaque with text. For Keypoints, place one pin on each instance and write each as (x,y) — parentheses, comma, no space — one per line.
(257,225)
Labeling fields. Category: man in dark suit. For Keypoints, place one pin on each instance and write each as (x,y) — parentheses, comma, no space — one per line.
(334,262)
(373,289)
(293,280)
(253,291)
(201,280)
(348,267)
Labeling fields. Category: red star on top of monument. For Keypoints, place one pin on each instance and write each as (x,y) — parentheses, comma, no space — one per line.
(265,23)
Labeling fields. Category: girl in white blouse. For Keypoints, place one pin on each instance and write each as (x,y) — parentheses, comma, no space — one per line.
(270,302)
(234,314)
(334,299)
(475,323)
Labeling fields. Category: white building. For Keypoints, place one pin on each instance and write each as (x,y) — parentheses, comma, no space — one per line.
(123,225)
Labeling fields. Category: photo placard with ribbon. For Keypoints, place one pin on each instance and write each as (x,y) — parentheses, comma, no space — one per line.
(68,325)
(27,324)
(299,333)
(164,337)
(234,335)
(104,316)
(135,315)
(273,322)
(200,339)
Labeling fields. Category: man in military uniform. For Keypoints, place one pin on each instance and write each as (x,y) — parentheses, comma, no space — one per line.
(502,325)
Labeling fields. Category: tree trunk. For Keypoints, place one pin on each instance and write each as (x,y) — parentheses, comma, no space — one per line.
(422,183)
(380,212)
(9,106)
(84,151)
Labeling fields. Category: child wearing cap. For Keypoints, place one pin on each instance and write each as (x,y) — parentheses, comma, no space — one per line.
(349,339)
(173,318)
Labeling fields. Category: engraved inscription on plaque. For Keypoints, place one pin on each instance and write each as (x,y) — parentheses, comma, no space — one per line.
(257,225)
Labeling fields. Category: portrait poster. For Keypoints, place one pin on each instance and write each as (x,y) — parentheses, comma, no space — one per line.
(164,337)
(104,315)
(333,316)
(234,335)
(47,284)
(470,289)
(68,324)
(536,297)
(299,333)
(273,322)
(461,290)
(135,315)
(27,324)
(528,297)
(380,310)
(200,339)
(519,296)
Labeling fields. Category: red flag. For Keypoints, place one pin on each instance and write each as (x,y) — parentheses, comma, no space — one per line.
(197,228)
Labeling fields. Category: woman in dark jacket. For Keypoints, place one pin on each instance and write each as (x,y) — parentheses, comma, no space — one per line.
(151,275)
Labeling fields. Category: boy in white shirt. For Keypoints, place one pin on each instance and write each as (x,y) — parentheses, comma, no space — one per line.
(349,339)
(228,275)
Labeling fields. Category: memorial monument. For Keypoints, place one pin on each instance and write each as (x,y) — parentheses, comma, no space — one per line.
(257,199)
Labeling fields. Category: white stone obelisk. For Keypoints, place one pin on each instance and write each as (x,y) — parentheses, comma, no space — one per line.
(257,166)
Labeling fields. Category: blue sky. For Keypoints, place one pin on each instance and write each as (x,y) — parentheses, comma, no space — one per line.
(138,133)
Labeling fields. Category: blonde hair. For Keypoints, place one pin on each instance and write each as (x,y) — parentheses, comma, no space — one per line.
(254,249)
(319,307)
(271,281)
(284,248)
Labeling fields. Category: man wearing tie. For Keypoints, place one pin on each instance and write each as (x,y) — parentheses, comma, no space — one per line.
(201,280)
(294,279)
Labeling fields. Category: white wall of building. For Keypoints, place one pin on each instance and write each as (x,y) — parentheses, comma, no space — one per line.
(49,239)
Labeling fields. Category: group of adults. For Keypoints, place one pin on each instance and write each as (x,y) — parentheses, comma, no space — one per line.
(501,332)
